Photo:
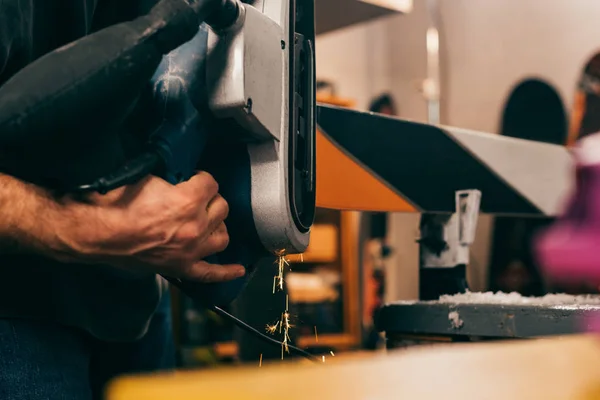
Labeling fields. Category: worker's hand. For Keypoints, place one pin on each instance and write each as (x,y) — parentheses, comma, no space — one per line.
(151,226)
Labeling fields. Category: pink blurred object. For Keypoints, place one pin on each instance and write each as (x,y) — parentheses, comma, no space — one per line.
(591,323)
(569,251)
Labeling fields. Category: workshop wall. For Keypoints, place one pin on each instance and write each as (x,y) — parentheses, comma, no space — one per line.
(408,58)
(487,48)
(493,45)
(389,55)
(356,60)
(363,61)
(384,55)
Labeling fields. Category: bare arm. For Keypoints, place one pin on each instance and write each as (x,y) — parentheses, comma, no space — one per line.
(149,227)
(27,215)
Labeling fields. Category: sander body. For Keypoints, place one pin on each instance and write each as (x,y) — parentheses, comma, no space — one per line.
(216,85)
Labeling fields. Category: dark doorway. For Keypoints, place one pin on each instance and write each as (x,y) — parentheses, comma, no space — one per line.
(585,118)
(533,111)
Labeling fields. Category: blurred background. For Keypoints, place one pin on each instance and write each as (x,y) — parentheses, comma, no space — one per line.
(525,69)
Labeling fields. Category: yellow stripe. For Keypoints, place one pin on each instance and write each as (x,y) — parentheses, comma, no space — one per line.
(343,184)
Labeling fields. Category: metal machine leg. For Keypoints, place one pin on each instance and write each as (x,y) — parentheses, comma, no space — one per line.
(444,247)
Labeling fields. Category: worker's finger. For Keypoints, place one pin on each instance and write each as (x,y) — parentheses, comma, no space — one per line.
(201,186)
(217,211)
(216,242)
(221,230)
(206,272)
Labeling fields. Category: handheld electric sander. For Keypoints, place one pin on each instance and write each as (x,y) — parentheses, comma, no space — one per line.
(215,85)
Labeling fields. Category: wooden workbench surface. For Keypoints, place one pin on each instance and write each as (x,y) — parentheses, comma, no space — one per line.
(556,368)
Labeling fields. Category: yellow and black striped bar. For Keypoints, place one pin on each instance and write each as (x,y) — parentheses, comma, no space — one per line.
(372,162)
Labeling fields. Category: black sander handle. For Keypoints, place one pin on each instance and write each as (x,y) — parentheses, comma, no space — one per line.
(69,103)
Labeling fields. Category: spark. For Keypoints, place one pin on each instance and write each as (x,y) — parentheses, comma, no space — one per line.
(331,352)
(285,322)
(323,358)
(282,262)
(260,361)
(316,335)
(285,325)
(280,253)
(272,328)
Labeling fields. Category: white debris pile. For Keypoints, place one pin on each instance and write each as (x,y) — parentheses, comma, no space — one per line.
(516,298)
(405,302)
(455,320)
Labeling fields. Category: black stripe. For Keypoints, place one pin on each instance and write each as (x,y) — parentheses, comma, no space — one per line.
(421,161)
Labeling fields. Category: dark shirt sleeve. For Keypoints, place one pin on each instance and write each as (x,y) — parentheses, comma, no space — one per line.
(110,12)
(15,20)
(5,40)
(32,28)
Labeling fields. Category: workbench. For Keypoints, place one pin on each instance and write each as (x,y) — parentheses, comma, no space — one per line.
(557,368)
(484,316)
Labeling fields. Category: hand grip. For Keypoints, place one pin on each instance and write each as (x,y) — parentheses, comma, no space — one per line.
(188,139)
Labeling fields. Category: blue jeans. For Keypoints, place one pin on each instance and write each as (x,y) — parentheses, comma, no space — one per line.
(46,361)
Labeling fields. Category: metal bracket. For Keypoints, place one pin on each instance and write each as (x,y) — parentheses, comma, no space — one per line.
(445,239)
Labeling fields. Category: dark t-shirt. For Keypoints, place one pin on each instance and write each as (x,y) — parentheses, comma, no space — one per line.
(101,300)
(29,29)
(32,28)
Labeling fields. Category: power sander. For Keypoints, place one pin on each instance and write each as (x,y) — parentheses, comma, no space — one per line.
(216,85)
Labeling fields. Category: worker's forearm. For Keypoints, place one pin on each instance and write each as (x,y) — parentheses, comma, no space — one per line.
(26,218)
(141,229)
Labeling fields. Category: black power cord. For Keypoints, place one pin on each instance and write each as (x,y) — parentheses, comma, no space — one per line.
(133,171)
(242,325)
